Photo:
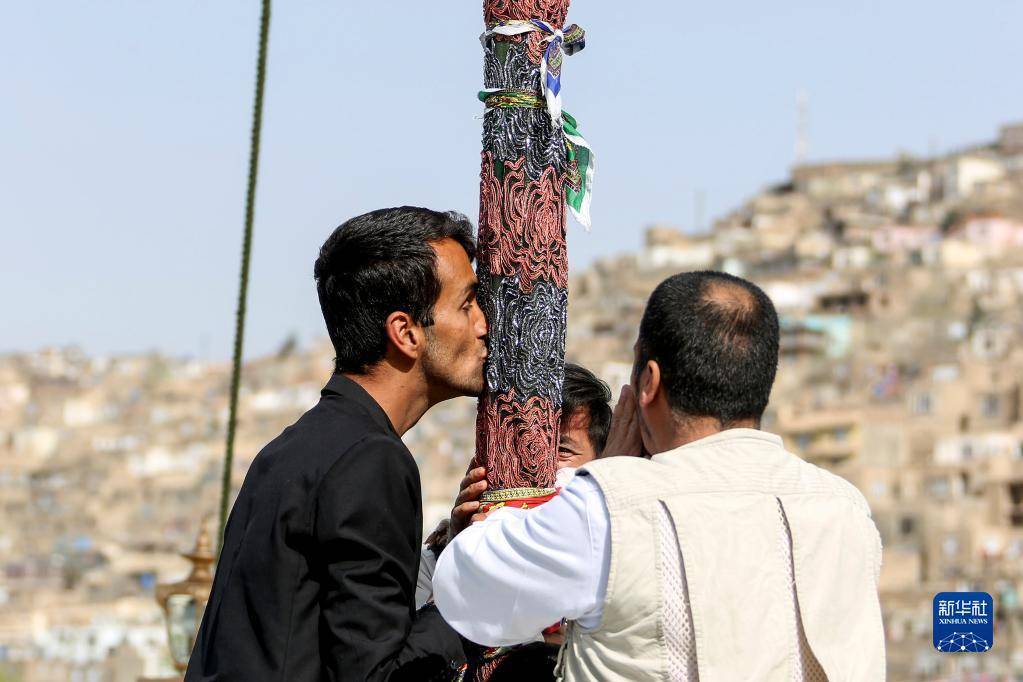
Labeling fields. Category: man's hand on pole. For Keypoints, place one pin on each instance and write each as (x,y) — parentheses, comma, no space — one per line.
(467,503)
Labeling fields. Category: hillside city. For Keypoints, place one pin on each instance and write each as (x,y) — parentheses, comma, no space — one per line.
(899,283)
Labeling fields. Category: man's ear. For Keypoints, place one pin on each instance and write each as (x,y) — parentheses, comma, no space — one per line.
(406,337)
(649,383)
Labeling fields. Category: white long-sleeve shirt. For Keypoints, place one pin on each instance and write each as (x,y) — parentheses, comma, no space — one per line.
(503,580)
(424,582)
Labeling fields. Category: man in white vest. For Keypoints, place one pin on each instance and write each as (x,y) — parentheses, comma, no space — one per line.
(721,557)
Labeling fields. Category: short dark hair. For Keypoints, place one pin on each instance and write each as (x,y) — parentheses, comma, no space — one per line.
(715,338)
(582,389)
(378,263)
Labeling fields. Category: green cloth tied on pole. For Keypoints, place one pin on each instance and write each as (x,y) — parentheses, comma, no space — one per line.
(582,162)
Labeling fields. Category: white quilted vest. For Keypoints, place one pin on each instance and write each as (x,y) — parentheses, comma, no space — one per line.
(732,559)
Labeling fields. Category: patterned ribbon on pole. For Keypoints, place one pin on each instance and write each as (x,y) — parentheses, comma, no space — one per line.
(534,162)
(571,40)
(581,159)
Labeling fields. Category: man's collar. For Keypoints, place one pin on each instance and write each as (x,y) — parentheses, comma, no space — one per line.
(342,386)
(768,439)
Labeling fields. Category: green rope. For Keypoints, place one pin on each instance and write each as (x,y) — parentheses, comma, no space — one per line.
(243,281)
(511,99)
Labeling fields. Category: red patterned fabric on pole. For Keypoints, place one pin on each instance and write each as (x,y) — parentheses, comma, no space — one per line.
(523,261)
(522,258)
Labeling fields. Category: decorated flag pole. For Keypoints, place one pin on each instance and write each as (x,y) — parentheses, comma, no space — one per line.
(535,164)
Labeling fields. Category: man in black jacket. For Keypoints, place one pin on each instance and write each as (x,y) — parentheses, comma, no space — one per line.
(317,576)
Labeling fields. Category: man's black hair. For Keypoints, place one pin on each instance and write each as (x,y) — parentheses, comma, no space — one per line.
(376,264)
(582,389)
(715,339)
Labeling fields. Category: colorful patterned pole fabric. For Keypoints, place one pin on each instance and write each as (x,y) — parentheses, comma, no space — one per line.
(570,40)
(582,162)
(522,258)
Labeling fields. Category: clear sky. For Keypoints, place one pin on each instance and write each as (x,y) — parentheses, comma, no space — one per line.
(124,132)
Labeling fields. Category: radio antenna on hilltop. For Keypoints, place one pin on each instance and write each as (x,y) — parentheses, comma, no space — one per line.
(802,126)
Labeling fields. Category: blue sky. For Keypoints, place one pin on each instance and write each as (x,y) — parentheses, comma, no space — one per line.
(124,135)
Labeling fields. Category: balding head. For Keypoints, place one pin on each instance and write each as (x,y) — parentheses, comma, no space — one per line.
(734,310)
(715,339)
